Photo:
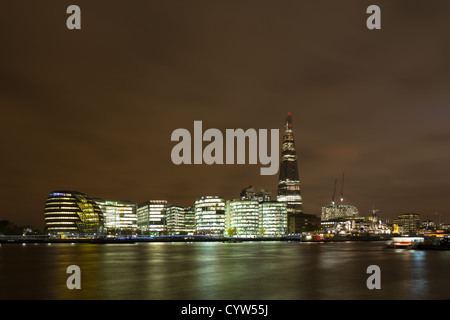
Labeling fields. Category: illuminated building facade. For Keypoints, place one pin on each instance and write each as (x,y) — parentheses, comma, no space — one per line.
(344,226)
(288,181)
(242,218)
(272,218)
(174,219)
(120,216)
(151,218)
(210,215)
(179,220)
(189,220)
(408,223)
(72,212)
(339,211)
(345,220)
(341,219)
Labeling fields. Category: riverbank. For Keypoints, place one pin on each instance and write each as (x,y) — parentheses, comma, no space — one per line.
(128,240)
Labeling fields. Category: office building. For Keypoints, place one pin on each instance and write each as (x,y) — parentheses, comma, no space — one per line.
(339,211)
(288,181)
(179,220)
(272,218)
(189,220)
(151,218)
(120,216)
(242,218)
(210,215)
(407,223)
(72,213)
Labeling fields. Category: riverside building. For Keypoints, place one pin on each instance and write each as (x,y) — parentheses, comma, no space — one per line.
(407,223)
(272,218)
(151,218)
(189,220)
(210,215)
(72,213)
(179,220)
(288,181)
(174,219)
(242,218)
(341,219)
(120,216)
(339,211)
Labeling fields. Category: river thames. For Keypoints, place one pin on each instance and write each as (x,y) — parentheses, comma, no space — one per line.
(222,271)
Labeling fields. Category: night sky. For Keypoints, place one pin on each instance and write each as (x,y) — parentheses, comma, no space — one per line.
(93,110)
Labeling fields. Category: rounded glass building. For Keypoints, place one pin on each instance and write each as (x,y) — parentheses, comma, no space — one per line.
(72,212)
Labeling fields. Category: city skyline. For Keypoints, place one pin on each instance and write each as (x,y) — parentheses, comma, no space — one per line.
(93,109)
(288,171)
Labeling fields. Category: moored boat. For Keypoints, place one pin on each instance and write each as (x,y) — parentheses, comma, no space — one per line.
(434,243)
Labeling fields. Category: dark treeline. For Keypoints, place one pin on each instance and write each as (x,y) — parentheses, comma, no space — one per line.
(9,228)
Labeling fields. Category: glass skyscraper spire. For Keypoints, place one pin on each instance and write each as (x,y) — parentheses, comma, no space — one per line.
(288,181)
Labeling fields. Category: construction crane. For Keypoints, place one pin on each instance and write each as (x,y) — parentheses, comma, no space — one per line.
(342,190)
(334,192)
(374,210)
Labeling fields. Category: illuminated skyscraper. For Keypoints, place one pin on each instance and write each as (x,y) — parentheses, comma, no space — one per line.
(288,181)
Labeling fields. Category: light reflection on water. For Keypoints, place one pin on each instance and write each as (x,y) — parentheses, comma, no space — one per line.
(209,270)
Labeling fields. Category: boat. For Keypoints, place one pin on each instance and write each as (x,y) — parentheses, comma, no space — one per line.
(404,242)
(434,243)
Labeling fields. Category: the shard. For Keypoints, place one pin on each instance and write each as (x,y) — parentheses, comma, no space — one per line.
(288,181)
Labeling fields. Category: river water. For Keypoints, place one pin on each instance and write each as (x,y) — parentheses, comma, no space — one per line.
(222,271)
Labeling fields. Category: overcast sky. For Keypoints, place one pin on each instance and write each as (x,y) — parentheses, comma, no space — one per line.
(93,110)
